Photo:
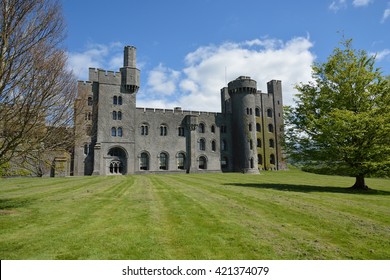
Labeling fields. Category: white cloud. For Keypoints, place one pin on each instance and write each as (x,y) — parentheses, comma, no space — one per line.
(337,5)
(386,13)
(361,3)
(96,56)
(382,54)
(198,86)
(162,80)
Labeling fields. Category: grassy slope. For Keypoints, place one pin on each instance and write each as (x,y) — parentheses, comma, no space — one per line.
(275,215)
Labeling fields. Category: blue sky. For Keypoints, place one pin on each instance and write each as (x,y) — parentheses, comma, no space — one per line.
(188,49)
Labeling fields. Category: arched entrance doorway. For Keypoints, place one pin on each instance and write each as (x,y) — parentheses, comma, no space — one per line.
(117,160)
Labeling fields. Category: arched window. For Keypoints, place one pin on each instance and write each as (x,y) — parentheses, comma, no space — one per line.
(120,100)
(250,111)
(251,163)
(90,101)
(113,131)
(202,162)
(269,112)
(119,115)
(272,159)
(213,128)
(120,132)
(116,167)
(163,161)
(247,111)
(181,159)
(271,143)
(144,129)
(115,100)
(144,161)
(250,127)
(259,159)
(270,128)
(88,129)
(257,112)
(201,128)
(250,144)
(114,115)
(258,127)
(258,143)
(163,130)
(213,146)
(202,144)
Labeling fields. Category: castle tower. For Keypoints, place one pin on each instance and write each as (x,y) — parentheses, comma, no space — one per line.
(242,93)
(130,74)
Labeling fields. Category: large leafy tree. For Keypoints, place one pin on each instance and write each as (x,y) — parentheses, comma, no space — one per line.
(341,121)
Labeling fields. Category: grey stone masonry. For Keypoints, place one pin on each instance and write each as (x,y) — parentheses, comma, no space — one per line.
(114,137)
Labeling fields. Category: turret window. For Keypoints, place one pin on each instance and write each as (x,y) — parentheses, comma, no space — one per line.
(119,115)
(90,101)
(115,100)
(257,112)
(271,143)
(224,145)
(258,143)
(113,131)
(180,131)
(114,115)
(144,129)
(269,113)
(201,128)
(213,146)
(270,128)
(250,127)
(202,144)
(120,132)
(258,127)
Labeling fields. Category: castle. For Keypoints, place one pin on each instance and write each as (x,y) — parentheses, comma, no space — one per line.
(113,136)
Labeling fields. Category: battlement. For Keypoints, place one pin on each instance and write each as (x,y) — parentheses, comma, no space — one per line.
(104,76)
(176,111)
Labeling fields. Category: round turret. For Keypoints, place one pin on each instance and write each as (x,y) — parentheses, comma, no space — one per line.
(242,93)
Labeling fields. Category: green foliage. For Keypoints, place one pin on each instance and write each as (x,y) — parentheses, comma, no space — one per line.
(342,118)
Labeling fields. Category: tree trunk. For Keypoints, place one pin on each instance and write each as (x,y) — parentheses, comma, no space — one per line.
(360,183)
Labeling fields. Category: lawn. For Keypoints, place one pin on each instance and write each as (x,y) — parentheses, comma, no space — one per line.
(274,215)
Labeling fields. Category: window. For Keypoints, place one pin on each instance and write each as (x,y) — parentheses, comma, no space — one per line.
(271,143)
(213,128)
(257,112)
(250,144)
(270,128)
(115,100)
(86,149)
(224,162)
(258,143)
(163,130)
(250,127)
(252,163)
(258,127)
(223,145)
(163,161)
(272,159)
(144,129)
(202,144)
(144,161)
(116,167)
(90,101)
(202,162)
(201,128)
(120,100)
(113,131)
(120,132)
(223,129)
(180,131)
(181,158)
(269,113)
(250,111)
(247,111)
(119,115)
(213,146)
(259,159)
(114,115)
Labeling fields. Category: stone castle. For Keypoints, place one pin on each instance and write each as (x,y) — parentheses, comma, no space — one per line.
(113,136)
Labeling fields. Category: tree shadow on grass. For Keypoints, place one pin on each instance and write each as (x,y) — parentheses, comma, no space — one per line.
(309,188)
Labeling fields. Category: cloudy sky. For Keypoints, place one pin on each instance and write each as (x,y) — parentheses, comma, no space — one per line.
(187,50)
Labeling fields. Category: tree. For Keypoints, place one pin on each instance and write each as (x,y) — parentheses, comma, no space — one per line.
(37,92)
(342,118)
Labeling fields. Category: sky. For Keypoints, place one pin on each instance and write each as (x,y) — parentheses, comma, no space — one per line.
(187,50)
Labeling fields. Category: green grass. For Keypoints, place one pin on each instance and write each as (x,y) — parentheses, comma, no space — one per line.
(275,215)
